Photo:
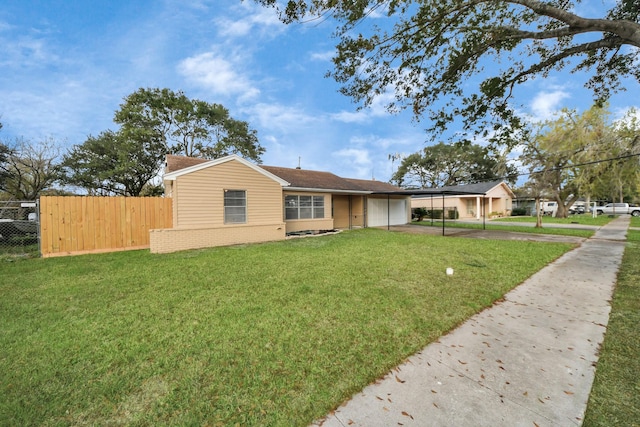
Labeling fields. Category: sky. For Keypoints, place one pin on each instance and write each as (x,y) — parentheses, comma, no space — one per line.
(67,65)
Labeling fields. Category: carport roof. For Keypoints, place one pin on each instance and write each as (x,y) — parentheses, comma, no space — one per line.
(477,189)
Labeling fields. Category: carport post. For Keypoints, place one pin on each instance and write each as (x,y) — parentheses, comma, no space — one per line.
(388,212)
(443,214)
(431,210)
(484,214)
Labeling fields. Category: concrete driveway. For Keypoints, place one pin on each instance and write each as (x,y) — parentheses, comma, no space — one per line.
(486,234)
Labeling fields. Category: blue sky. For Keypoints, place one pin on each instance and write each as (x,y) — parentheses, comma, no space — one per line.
(66,65)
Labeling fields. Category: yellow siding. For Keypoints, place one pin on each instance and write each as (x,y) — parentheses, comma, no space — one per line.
(348,210)
(357,211)
(199,196)
(341,211)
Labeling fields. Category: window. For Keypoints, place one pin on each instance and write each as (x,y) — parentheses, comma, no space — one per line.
(235,206)
(318,206)
(471,206)
(303,207)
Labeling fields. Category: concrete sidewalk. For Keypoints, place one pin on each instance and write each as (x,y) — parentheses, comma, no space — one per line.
(526,361)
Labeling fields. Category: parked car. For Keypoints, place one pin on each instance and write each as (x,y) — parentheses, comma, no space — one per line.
(547,208)
(576,210)
(11,227)
(618,209)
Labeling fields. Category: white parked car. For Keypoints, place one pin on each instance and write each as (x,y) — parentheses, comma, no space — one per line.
(618,209)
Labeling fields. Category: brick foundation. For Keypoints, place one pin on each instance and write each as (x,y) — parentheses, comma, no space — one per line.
(180,239)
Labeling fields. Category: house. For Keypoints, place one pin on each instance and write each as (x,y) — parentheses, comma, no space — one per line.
(472,201)
(230,201)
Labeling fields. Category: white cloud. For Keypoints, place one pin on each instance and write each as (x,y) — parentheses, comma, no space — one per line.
(545,104)
(218,75)
(255,20)
(354,155)
(322,56)
(277,117)
(357,160)
(377,108)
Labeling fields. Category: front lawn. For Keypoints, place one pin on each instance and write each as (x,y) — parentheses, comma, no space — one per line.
(269,334)
(583,219)
(508,227)
(615,396)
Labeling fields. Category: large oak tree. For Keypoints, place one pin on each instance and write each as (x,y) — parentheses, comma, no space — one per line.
(153,123)
(113,163)
(452,164)
(429,52)
(188,127)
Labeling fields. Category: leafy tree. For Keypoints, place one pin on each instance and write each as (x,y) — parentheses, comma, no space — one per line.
(583,155)
(444,164)
(4,155)
(113,163)
(154,122)
(619,179)
(29,168)
(429,51)
(189,127)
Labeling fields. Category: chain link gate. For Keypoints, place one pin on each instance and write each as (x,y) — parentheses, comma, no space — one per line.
(19,229)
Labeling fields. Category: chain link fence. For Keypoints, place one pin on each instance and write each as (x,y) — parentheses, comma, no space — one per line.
(19,229)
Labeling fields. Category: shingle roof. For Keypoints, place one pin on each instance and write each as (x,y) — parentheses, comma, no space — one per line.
(298,178)
(375,186)
(175,163)
(478,188)
(302,178)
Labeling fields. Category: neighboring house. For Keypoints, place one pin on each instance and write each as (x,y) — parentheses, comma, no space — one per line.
(231,201)
(471,201)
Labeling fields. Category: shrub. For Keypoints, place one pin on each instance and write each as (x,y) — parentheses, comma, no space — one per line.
(420,213)
(519,212)
(436,214)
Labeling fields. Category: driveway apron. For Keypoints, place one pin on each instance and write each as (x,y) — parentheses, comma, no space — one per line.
(527,361)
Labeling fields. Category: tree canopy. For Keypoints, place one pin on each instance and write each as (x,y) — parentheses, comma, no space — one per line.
(188,127)
(584,155)
(429,52)
(28,168)
(154,122)
(113,163)
(452,164)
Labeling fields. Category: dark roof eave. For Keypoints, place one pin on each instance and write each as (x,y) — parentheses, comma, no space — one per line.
(325,190)
(432,192)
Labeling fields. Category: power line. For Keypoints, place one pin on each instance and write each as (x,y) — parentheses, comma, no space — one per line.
(593,162)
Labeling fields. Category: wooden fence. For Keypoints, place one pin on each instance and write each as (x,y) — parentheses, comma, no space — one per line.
(84,224)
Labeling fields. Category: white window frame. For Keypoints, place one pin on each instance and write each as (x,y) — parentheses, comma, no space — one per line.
(235,213)
(303,206)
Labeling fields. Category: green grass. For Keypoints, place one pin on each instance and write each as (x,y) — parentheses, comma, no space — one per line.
(512,228)
(274,334)
(615,396)
(18,247)
(584,219)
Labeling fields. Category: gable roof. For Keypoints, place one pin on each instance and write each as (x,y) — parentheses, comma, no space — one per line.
(311,180)
(293,179)
(174,163)
(375,186)
(302,179)
(480,188)
(199,164)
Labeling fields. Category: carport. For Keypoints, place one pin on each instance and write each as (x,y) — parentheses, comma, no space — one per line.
(433,193)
